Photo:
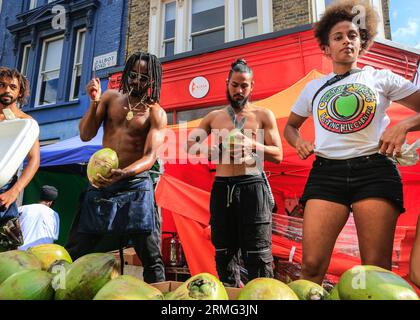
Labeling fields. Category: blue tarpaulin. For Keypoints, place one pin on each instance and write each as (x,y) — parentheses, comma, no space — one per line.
(70,151)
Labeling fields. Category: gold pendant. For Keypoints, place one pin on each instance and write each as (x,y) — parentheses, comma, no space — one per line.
(130,115)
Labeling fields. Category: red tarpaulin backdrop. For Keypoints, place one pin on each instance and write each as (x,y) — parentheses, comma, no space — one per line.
(184,188)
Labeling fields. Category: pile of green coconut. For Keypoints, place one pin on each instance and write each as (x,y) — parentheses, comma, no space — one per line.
(47,272)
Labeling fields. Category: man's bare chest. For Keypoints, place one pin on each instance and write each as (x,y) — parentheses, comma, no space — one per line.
(246,123)
(137,124)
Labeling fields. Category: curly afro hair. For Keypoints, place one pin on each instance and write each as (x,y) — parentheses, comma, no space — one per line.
(358,11)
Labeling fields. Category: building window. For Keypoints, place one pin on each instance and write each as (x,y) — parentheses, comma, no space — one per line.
(196,24)
(318,8)
(33,4)
(170,117)
(49,72)
(249,18)
(25,59)
(78,64)
(168,45)
(207,23)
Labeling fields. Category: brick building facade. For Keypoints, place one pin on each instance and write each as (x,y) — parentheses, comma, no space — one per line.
(138,25)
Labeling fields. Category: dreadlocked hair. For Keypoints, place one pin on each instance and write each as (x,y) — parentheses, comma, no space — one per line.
(240,65)
(358,11)
(154,71)
(23,83)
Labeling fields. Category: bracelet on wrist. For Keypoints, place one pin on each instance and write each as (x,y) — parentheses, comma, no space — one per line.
(95,102)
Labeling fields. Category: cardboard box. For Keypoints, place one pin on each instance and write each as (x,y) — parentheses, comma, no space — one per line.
(168,286)
(130,257)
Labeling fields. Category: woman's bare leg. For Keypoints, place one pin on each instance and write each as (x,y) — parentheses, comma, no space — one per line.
(375,220)
(322,223)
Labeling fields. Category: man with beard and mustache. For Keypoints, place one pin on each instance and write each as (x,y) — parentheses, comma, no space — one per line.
(14,90)
(123,204)
(240,206)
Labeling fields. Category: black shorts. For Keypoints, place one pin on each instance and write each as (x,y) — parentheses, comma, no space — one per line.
(352,180)
(240,213)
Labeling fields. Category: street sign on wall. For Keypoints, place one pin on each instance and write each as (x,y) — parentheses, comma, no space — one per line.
(105,61)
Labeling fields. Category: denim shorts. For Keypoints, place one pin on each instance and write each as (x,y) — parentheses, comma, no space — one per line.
(12,211)
(351,180)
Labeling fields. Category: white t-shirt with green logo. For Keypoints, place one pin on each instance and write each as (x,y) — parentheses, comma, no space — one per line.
(350,115)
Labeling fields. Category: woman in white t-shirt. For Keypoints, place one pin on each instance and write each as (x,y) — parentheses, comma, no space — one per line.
(352,141)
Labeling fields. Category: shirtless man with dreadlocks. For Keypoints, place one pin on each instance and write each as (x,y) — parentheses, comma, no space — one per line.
(123,204)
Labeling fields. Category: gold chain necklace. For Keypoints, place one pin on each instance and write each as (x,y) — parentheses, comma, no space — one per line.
(130,113)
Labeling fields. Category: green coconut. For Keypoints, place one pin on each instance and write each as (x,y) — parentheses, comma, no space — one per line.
(87,275)
(28,285)
(49,253)
(14,261)
(266,289)
(334,294)
(127,287)
(230,139)
(58,265)
(308,290)
(102,162)
(374,283)
(202,286)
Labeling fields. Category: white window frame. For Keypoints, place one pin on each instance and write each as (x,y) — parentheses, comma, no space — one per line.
(198,33)
(25,59)
(33,4)
(162,24)
(246,21)
(318,8)
(77,65)
(40,74)
(183,37)
(265,15)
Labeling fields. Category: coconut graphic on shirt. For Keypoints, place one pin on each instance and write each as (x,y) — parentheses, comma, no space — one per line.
(347,108)
(346,105)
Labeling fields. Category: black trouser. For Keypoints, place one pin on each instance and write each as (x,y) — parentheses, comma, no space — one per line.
(146,245)
(241,220)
